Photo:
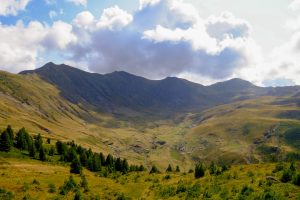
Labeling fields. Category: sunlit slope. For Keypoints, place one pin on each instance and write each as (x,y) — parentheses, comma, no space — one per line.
(247,131)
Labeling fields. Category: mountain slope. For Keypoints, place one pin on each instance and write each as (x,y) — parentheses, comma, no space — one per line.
(120,90)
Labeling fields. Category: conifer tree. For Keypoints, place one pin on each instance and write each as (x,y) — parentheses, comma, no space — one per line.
(199,170)
(76,166)
(169,169)
(38,142)
(177,169)
(42,154)
(5,142)
(10,132)
(32,151)
(154,170)
(83,158)
(125,166)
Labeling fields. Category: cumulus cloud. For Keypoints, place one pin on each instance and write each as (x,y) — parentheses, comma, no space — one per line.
(21,51)
(78,2)
(12,7)
(163,38)
(295,5)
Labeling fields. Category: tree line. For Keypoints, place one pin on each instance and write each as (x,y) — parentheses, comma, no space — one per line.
(68,152)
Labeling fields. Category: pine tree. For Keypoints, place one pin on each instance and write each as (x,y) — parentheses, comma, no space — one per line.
(21,142)
(141,168)
(5,143)
(118,164)
(125,166)
(51,151)
(48,140)
(42,154)
(83,158)
(32,151)
(109,161)
(177,169)
(38,142)
(169,169)
(76,166)
(199,170)
(10,132)
(154,170)
(84,184)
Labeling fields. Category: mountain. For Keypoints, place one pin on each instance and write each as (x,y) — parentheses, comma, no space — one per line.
(120,90)
(141,119)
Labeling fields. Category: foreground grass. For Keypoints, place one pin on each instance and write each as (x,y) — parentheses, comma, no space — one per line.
(31,179)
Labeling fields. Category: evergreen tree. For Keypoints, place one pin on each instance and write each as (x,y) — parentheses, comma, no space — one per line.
(109,161)
(48,141)
(72,154)
(42,154)
(32,151)
(154,170)
(169,169)
(177,169)
(84,184)
(5,142)
(83,158)
(76,166)
(60,147)
(199,170)
(78,195)
(102,158)
(125,166)
(118,164)
(51,151)
(96,163)
(10,132)
(38,142)
(141,168)
(21,142)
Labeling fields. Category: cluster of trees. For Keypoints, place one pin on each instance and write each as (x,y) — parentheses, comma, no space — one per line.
(213,169)
(69,152)
(23,141)
(95,162)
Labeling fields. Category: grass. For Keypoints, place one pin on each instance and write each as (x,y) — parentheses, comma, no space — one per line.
(31,178)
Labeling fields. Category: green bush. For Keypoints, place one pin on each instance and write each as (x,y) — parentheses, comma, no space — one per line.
(6,195)
(51,188)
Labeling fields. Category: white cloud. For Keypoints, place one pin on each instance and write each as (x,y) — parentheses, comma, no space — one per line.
(12,7)
(163,38)
(78,2)
(22,50)
(295,5)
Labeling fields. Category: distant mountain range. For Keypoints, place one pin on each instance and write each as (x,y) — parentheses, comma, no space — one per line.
(118,90)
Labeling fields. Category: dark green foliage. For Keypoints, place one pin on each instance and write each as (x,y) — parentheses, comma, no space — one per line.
(23,140)
(125,166)
(83,159)
(10,132)
(72,154)
(296,179)
(213,168)
(51,188)
(293,167)
(61,147)
(5,142)
(76,166)
(69,185)
(169,169)
(78,195)
(84,184)
(42,154)
(286,176)
(292,137)
(48,140)
(109,161)
(6,195)
(245,192)
(154,170)
(38,142)
(32,150)
(177,169)
(51,151)
(199,170)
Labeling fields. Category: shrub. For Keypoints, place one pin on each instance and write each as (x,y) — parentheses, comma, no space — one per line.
(154,170)
(296,179)
(286,176)
(199,171)
(6,195)
(69,185)
(51,188)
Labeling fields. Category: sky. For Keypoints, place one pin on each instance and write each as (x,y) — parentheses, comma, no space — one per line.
(204,41)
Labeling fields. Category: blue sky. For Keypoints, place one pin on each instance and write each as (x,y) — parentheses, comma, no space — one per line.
(202,41)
